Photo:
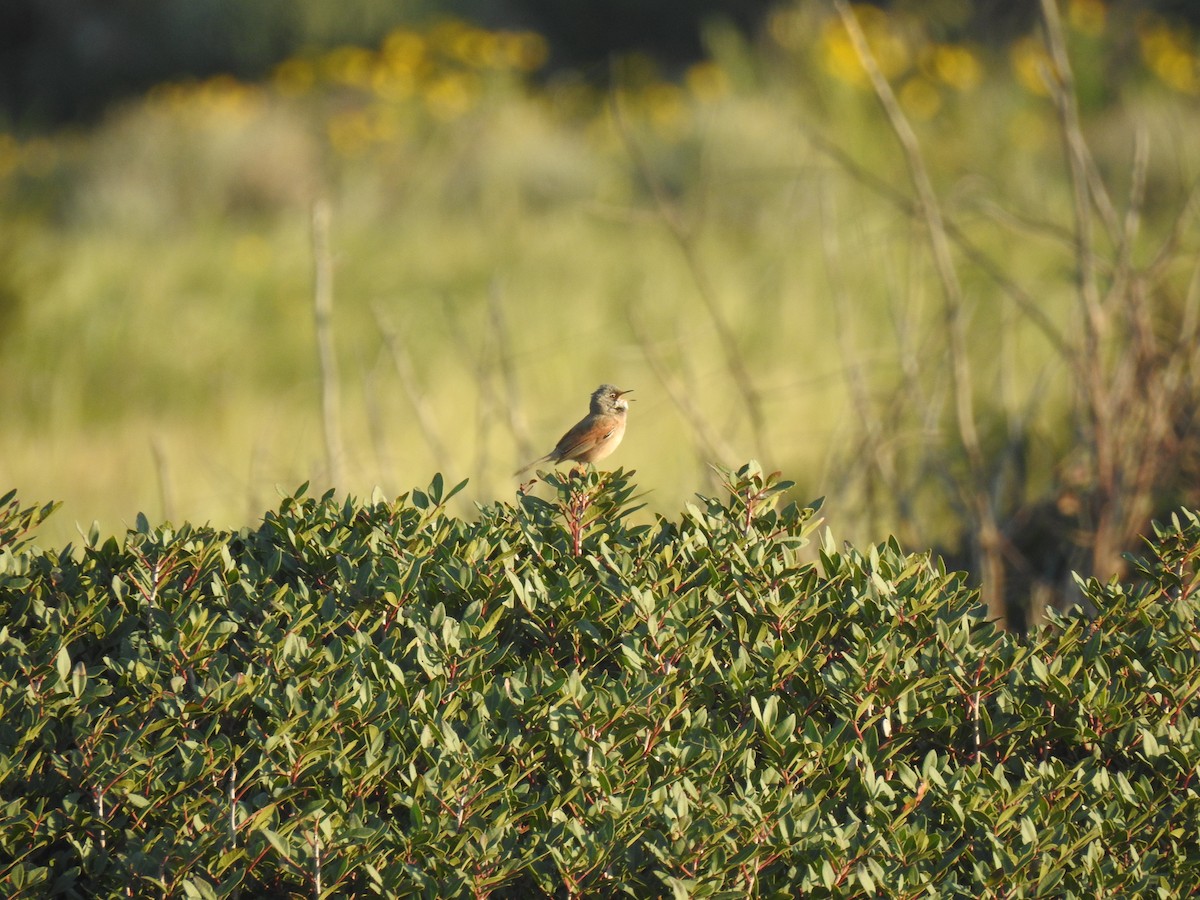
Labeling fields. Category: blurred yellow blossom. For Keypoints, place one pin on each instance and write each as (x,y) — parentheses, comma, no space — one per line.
(450,96)
(1168,53)
(1031,64)
(39,156)
(216,102)
(665,107)
(224,97)
(957,67)
(525,51)
(887,45)
(1087,16)
(10,155)
(403,50)
(294,77)
(920,98)
(707,81)
(386,122)
(392,82)
(348,65)
(350,132)
(788,28)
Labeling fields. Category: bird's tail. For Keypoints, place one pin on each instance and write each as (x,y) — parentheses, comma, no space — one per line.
(540,459)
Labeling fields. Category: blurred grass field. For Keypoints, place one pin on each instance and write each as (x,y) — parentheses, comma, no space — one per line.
(519,240)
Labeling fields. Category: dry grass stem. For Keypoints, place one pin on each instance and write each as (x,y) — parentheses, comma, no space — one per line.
(955,316)
(331,418)
(735,360)
(512,406)
(413,391)
(710,447)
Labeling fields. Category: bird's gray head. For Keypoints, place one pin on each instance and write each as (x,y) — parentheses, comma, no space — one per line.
(608,400)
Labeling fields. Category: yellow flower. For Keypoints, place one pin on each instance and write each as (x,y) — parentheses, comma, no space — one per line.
(787,28)
(957,67)
(403,50)
(294,77)
(1167,53)
(348,65)
(392,82)
(10,155)
(885,42)
(665,107)
(1031,64)
(1087,16)
(707,81)
(349,132)
(224,97)
(450,96)
(525,51)
(920,98)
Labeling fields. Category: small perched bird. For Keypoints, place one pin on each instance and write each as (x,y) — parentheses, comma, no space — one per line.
(596,435)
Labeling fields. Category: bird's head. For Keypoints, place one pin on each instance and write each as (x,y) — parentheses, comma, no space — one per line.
(609,399)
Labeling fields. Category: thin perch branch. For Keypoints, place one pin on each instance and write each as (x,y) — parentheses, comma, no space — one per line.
(331,418)
(412,390)
(735,361)
(953,304)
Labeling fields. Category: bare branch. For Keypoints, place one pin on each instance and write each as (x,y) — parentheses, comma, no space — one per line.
(734,359)
(331,419)
(402,361)
(953,305)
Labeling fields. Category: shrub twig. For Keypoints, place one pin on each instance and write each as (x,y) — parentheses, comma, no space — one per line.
(988,532)
(331,422)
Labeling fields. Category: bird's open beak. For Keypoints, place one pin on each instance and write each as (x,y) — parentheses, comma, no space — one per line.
(623,393)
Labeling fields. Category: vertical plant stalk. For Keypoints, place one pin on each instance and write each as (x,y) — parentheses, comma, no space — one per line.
(929,211)
(710,446)
(233,805)
(316,843)
(576,511)
(481,359)
(735,360)
(162,471)
(376,428)
(1090,369)
(511,406)
(876,446)
(98,794)
(402,361)
(331,417)
(1125,376)
(1028,305)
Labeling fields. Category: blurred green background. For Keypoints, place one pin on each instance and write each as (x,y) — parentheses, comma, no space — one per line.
(706,204)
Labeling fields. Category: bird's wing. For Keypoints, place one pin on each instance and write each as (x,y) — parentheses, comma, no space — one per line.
(585,435)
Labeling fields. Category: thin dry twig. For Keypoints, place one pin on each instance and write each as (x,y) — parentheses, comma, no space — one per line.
(402,362)
(1028,305)
(710,447)
(162,471)
(735,361)
(489,402)
(384,462)
(514,409)
(881,458)
(954,311)
(331,420)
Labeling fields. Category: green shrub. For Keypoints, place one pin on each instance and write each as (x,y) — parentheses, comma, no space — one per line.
(383,699)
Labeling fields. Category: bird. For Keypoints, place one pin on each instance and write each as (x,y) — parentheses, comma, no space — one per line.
(595,435)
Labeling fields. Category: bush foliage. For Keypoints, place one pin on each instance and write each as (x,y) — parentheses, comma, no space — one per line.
(553,700)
